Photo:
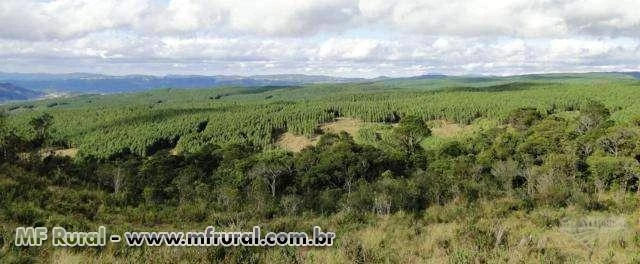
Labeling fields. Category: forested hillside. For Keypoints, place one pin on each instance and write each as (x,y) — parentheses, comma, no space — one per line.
(79,83)
(141,123)
(532,162)
(11,92)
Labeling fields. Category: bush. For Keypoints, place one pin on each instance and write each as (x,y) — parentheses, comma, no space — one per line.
(444,213)
(354,251)
(610,171)
(27,214)
(478,234)
(523,118)
(592,114)
(75,202)
(195,212)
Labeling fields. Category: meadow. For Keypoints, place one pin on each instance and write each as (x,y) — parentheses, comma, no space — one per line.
(535,168)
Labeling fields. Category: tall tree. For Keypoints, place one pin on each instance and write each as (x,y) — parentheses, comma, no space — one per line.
(41,125)
(272,167)
(411,131)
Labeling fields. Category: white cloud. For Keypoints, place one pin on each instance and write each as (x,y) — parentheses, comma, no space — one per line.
(357,49)
(180,16)
(30,19)
(347,37)
(63,19)
(343,56)
(520,18)
(290,18)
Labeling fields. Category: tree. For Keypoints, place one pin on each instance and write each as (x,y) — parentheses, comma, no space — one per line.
(505,172)
(3,125)
(615,171)
(551,135)
(156,175)
(553,182)
(619,141)
(186,181)
(4,137)
(272,167)
(411,131)
(523,118)
(41,125)
(407,136)
(592,114)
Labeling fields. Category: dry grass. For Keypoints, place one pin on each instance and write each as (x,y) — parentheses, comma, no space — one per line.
(443,128)
(349,125)
(174,151)
(70,152)
(65,257)
(402,238)
(296,143)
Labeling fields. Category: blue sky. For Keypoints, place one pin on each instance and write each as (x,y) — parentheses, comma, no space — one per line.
(364,38)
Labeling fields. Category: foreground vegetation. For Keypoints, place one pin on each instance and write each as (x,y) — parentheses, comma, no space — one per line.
(549,171)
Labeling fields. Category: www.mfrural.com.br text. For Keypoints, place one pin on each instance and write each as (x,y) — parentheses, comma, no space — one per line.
(60,237)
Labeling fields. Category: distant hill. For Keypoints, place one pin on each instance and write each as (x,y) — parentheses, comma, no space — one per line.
(10,92)
(97,83)
(428,76)
(634,74)
(82,83)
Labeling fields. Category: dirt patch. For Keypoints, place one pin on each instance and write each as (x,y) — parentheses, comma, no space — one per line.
(296,143)
(443,128)
(70,152)
(174,151)
(349,125)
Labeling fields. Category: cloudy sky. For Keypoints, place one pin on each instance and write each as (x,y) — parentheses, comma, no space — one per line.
(364,38)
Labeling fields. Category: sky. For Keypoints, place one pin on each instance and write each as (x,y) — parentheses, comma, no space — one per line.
(350,38)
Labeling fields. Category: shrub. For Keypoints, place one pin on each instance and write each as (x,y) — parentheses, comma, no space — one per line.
(27,214)
(523,118)
(610,171)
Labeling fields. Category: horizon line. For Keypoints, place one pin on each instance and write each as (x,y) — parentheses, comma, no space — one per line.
(626,71)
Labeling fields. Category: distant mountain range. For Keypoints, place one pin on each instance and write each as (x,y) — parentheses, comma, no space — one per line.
(98,83)
(10,92)
(24,86)
(634,74)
